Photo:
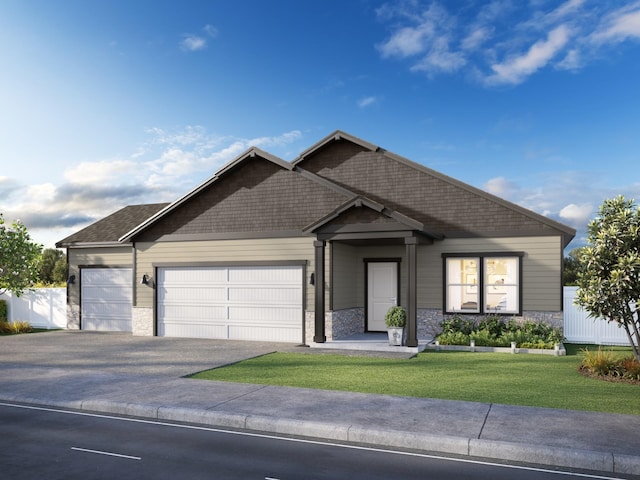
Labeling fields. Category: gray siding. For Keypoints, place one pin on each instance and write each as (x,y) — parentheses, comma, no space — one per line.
(104,256)
(541,264)
(345,277)
(541,282)
(221,251)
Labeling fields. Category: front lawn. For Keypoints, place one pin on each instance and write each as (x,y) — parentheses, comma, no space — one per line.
(531,380)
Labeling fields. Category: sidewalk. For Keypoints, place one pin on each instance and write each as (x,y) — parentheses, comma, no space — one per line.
(592,441)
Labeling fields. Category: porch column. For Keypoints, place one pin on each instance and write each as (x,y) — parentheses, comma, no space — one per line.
(412,283)
(319,336)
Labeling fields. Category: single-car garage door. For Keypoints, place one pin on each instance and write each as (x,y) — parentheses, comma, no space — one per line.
(105,299)
(238,303)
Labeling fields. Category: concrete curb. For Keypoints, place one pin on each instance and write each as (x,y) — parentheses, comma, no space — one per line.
(471,447)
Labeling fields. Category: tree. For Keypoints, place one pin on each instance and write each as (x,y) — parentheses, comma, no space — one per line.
(609,277)
(571,267)
(53,268)
(19,258)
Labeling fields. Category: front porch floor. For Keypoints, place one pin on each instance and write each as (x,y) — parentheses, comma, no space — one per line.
(372,342)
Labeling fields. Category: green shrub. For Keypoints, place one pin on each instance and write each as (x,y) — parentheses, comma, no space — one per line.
(600,362)
(453,338)
(3,310)
(484,338)
(10,328)
(396,317)
(457,324)
(493,324)
(630,368)
(492,331)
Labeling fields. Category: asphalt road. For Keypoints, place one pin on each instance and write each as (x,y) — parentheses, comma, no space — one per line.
(56,444)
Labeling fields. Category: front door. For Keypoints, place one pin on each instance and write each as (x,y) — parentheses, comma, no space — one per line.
(382,293)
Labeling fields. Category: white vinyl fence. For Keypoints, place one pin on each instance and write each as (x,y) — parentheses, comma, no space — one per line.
(580,328)
(42,307)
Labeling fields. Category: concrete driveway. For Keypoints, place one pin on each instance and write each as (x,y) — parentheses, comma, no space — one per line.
(124,353)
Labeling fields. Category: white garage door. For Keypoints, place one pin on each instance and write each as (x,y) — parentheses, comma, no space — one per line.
(105,298)
(239,303)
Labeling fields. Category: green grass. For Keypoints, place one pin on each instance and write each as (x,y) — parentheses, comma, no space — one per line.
(531,380)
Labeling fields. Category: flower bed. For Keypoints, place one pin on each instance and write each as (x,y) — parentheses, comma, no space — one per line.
(603,364)
(493,331)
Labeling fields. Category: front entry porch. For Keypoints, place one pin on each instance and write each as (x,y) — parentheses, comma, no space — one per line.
(371,342)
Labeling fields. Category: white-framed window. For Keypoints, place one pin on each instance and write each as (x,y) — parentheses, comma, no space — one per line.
(483,283)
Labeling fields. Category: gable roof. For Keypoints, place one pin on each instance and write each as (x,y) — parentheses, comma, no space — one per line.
(109,229)
(326,184)
(420,192)
(252,152)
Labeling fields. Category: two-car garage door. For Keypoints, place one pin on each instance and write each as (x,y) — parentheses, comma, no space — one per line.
(231,302)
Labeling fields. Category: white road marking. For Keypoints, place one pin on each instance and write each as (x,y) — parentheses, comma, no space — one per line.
(109,454)
(314,442)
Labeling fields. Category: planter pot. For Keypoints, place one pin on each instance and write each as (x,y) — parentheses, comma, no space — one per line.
(396,335)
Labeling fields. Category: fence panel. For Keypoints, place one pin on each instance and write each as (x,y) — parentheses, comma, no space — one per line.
(580,328)
(41,307)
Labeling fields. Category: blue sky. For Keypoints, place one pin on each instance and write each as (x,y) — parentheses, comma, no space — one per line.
(106,103)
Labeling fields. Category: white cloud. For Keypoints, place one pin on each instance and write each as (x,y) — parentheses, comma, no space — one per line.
(488,46)
(577,215)
(193,43)
(440,58)
(99,171)
(476,37)
(501,187)
(515,70)
(572,61)
(161,169)
(619,25)
(367,102)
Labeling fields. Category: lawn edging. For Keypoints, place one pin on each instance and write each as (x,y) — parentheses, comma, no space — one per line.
(559,351)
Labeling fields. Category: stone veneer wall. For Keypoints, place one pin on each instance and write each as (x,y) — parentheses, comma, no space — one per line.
(429,320)
(142,321)
(337,324)
(343,323)
(73,317)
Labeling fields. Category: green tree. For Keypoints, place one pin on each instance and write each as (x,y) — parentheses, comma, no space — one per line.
(19,258)
(53,267)
(609,277)
(60,270)
(571,267)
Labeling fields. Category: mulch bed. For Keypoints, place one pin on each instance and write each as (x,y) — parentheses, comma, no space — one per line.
(585,372)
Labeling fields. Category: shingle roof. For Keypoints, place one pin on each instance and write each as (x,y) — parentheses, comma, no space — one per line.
(110,228)
(260,193)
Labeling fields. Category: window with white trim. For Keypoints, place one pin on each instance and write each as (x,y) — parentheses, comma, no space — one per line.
(483,283)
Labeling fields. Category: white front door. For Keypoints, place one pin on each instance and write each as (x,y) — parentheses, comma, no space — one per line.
(382,293)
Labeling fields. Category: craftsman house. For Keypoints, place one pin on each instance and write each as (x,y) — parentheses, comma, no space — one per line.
(313,250)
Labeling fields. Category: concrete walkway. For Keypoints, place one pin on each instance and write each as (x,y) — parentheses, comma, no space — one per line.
(141,376)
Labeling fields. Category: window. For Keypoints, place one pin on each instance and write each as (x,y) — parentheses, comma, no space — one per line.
(483,283)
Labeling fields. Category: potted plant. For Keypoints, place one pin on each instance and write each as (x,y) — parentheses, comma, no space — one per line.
(396,319)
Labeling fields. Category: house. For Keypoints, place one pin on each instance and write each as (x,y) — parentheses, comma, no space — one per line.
(314,250)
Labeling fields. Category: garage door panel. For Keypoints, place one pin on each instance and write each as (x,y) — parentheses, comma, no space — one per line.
(174,313)
(256,315)
(262,276)
(258,333)
(197,294)
(192,330)
(266,295)
(250,303)
(114,294)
